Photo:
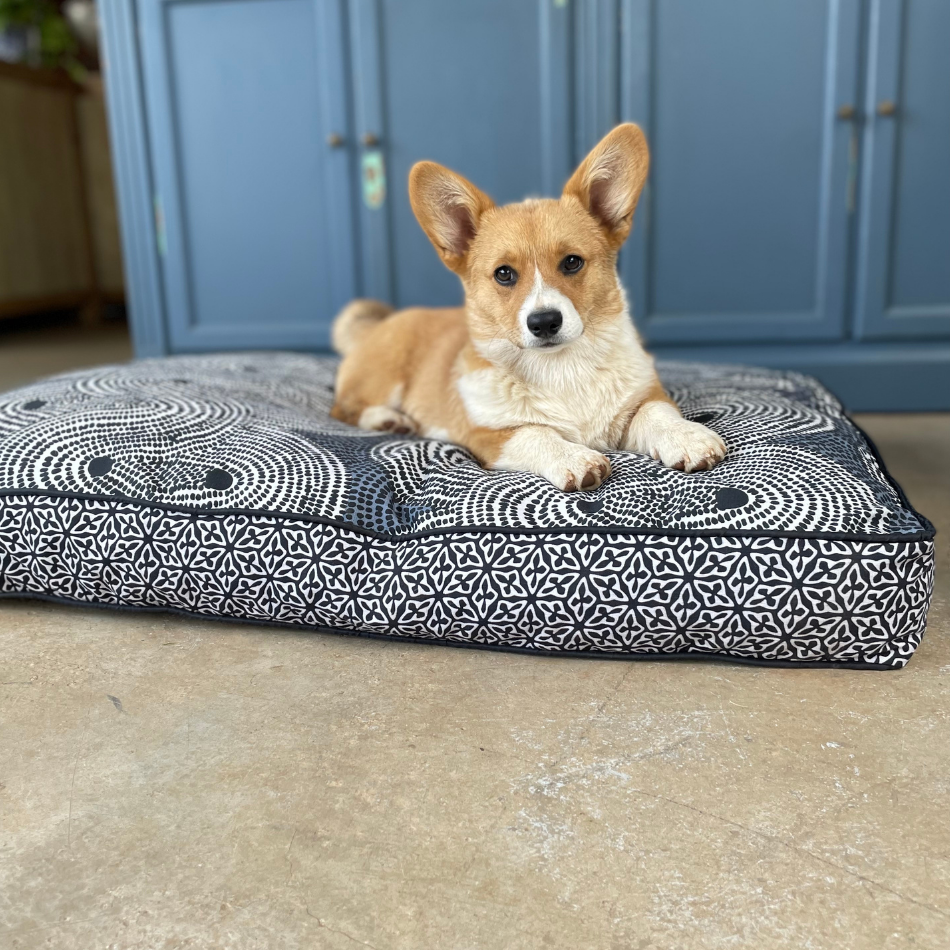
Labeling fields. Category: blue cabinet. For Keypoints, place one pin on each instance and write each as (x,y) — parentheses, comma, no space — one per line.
(744,232)
(797,214)
(904,246)
(481,87)
(253,204)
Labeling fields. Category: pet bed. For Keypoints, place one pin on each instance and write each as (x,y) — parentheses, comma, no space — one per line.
(219,486)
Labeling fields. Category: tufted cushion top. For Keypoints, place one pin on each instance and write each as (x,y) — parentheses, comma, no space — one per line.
(251,432)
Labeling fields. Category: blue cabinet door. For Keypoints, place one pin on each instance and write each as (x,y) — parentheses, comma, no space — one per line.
(484,88)
(743,232)
(253,204)
(904,247)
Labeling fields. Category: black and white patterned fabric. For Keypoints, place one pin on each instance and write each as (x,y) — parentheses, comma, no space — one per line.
(219,486)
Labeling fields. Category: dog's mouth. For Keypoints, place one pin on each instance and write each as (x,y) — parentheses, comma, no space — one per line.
(553,343)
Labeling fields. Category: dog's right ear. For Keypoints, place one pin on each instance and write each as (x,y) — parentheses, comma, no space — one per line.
(449,208)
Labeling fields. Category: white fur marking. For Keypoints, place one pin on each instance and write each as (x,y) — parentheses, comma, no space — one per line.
(539,449)
(660,431)
(486,396)
(584,391)
(544,297)
(395,397)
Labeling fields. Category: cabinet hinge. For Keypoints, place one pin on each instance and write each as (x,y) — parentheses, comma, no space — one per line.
(851,194)
(159,213)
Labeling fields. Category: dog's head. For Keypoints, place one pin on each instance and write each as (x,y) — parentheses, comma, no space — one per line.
(541,273)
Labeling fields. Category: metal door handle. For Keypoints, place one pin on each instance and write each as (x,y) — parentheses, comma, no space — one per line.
(886,107)
(335,140)
(370,139)
(846,113)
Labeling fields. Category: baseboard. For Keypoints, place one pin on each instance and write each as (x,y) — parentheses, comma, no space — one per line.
(866,377)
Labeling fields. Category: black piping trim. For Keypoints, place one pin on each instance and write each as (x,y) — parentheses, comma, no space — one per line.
(726,658)
(905,501)
(924,535)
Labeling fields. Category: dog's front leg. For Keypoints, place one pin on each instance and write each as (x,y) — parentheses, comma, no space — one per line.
(658,429)
(539,449)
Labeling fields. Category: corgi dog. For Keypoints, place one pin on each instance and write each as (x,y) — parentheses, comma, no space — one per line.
(542,370)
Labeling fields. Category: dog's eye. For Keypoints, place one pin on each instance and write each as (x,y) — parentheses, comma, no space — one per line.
(505,275)
(571,264)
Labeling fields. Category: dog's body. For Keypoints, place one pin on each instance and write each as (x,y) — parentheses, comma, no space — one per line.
(542,370)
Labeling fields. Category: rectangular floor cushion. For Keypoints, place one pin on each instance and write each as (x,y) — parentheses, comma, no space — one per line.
(219,486)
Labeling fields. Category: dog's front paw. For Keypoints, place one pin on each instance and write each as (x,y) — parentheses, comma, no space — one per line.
(386,419)
(688,446)
(540,450)
(579,469)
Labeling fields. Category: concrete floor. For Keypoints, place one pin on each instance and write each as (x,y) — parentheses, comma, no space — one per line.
(28,354)
(175,784)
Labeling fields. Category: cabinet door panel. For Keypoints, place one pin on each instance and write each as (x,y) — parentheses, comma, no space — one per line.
(482,88)
(743,231)
(904,250)
(256,206)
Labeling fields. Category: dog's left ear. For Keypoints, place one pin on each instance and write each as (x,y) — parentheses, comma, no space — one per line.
(609,181)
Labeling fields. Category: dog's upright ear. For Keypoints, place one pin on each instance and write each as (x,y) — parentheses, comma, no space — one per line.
(449,208)
(609,181)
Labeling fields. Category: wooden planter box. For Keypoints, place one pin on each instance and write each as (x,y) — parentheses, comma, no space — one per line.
(59,238)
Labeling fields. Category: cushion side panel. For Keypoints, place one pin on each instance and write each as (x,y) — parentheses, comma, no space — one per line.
(778,599)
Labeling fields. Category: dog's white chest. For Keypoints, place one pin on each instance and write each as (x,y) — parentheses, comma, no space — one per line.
(582,410)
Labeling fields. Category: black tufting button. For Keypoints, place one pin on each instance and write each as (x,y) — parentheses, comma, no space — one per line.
(704,417)
(731,498)
(590,507)
(100,465)
(34,404)
(218,479)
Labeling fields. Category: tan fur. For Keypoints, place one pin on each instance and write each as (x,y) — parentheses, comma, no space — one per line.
(354,321)
(477,376)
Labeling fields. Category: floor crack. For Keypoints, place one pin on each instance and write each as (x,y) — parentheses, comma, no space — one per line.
(287,857)
(72,786)
(772,839)
(332,930)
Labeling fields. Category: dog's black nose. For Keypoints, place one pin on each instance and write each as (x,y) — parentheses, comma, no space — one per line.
(544,323)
